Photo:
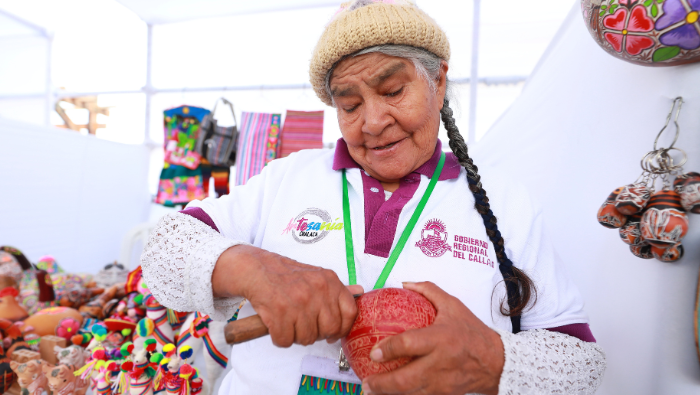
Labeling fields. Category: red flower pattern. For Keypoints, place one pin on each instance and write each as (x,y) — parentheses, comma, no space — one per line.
(625,26)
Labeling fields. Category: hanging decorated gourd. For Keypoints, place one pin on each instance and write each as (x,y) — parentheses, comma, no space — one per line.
(608,215)
(654,223)
(647,33)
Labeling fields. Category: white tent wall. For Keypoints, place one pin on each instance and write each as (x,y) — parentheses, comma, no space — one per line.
(70,196)
(578,131)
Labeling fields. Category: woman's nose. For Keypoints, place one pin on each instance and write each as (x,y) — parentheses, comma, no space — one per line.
(376,117)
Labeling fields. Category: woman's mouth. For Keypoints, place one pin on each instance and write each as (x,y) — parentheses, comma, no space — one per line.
(386,146)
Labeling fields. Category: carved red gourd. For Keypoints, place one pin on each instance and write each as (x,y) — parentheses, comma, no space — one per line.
(383,313)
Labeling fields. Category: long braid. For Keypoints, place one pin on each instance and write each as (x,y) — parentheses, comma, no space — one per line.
(518,285)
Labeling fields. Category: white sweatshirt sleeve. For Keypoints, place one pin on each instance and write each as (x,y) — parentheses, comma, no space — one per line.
(543,362)
(178,262)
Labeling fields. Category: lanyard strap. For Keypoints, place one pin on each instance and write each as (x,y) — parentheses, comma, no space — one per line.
(349,249)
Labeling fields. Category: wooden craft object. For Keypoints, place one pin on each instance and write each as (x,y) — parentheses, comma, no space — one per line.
(245,329)
(86,102)
(47,347)
(22,356)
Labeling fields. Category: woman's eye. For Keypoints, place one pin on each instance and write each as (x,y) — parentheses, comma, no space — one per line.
(395,93)
(351,109)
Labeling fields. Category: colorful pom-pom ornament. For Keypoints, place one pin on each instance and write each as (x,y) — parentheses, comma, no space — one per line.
(156,358)
(127,366)
(186,352)
(150,345)
(127,348)
(145,327)
(608,215)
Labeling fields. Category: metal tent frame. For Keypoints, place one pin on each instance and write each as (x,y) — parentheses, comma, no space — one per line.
(149,90)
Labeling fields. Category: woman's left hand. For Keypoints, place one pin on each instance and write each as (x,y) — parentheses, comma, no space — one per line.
(457,354)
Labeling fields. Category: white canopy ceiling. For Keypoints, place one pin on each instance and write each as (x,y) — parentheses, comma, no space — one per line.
(167,11)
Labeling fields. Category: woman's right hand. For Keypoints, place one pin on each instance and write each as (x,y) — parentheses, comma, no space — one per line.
(298,303)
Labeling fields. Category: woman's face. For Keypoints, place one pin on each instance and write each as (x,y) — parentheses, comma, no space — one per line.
(388,115)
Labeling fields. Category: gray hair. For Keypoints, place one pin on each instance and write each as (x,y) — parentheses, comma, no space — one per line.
(427,64)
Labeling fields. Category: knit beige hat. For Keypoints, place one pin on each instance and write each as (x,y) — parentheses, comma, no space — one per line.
(366,23)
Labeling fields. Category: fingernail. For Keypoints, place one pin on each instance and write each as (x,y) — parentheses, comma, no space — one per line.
(365,388)
(376,354)
(407,283)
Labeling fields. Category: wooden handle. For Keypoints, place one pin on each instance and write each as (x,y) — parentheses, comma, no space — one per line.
(245,329)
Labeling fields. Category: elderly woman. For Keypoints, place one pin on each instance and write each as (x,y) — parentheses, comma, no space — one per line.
(387,209)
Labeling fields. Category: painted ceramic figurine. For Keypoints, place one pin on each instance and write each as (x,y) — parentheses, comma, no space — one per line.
(102,376)
(688,186)
(646,32)
(632,198)
(72,355)
(62,380)
(30,377)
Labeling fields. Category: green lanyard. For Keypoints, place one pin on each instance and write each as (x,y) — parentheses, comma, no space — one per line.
(349,250)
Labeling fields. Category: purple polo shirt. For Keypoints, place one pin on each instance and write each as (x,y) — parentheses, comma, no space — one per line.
(382,216)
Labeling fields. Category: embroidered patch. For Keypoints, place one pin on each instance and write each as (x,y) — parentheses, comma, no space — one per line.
(433,239)
(311,226)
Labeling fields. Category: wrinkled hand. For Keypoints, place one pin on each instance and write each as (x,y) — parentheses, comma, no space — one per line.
(298,303)
(457,354)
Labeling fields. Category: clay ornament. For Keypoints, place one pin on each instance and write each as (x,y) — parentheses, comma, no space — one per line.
(670,254)
(690,191)
(72,355)
(647,33)
(664,222)
(10,309)
(630,232)
(30,377)
(383,313)
(46,321)
(632,198)
(62,381)
(608,214)
(202,333)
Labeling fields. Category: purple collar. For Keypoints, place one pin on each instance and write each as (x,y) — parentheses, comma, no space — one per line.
(343,160)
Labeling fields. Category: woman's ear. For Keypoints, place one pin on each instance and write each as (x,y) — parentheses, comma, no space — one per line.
(442,82)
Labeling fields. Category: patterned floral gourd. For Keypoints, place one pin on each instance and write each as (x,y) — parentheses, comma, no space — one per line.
(646,32)
(664,222)
(642,251)
(383,313)
(689,185)
(630,232)
(632,198)
(608,215)
(670,254)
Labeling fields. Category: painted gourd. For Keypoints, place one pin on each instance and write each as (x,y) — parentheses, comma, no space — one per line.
(664,222)
(642,251)
(383,313)
(630,233)
(646,32)
(608,215)
(689,185)
(632,198)
(670,254)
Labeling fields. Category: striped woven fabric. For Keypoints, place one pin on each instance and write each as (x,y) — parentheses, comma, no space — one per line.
(252,144)
(302,130)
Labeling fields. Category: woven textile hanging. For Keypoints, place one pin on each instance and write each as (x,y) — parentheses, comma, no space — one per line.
(302,130)
(257,144)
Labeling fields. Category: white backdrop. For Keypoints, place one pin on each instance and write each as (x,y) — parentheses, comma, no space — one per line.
(577,132)
(68,195)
